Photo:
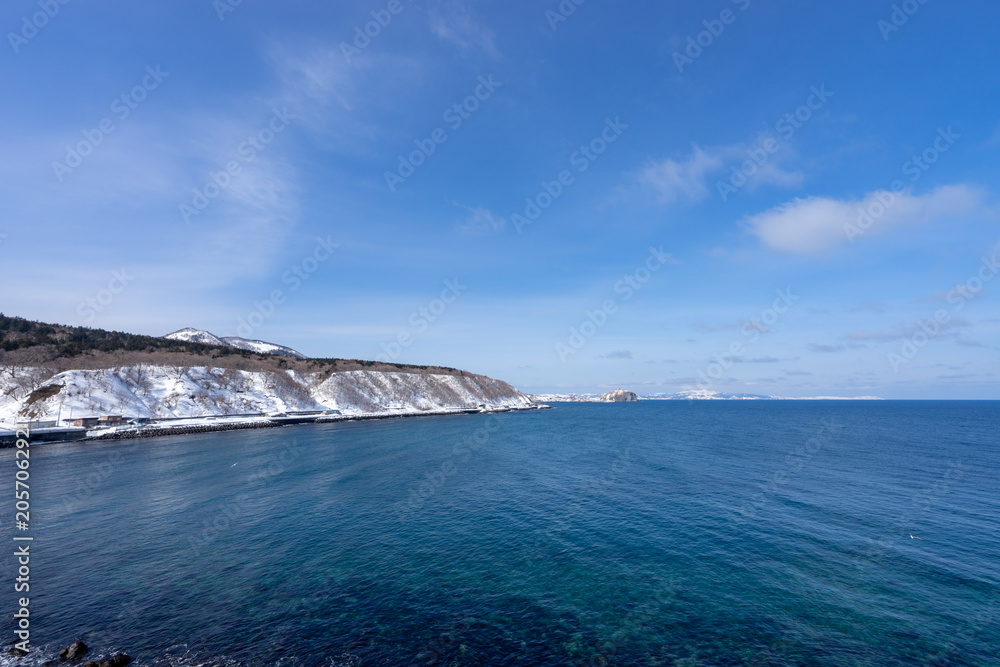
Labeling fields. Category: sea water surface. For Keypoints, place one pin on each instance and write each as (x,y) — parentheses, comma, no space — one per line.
(656,533)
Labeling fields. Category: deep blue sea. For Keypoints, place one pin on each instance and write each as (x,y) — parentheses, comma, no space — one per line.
(657,533)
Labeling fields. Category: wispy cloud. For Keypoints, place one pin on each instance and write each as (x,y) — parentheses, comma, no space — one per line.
(815,347)
(994,140)
(342,104)
(692,178)
(452,22)
(703,327)
(947,328)
(876,307)
(480,221)
(617,354)
(687,178)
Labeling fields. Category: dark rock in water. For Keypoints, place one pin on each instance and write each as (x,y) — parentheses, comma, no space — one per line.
(119,660)
(52,663)
(75,651)
(17,652)
(90,664)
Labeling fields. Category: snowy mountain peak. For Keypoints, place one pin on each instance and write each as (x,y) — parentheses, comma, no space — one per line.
(191,335)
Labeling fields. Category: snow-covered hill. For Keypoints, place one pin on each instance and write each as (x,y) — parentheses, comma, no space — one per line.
(199,336)
(190,335)
(163,391)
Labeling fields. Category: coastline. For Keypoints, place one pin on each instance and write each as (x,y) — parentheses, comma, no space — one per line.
(214,424)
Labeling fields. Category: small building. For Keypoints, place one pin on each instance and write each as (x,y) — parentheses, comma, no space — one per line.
(31,425)
(111,420)
(86,422)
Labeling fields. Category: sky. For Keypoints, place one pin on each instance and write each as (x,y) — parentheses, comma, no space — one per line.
(780,198)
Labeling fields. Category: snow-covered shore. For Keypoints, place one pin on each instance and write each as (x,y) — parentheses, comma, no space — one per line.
(163,392)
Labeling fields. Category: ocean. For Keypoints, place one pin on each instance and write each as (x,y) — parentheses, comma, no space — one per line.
(656,533)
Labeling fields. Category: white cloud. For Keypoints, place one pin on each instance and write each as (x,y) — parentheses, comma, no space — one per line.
(813,225)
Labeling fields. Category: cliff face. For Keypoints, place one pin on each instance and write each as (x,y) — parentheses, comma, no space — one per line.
(166,391)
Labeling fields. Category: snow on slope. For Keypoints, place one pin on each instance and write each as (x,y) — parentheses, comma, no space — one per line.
(262,347)
(195,336)
(198,336)
(16,383)
(157,391)
(163,391)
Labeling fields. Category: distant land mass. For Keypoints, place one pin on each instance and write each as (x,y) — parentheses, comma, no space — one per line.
(688,395)
(616,396)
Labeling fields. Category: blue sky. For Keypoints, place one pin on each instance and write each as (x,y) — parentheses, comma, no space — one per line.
(700,172)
